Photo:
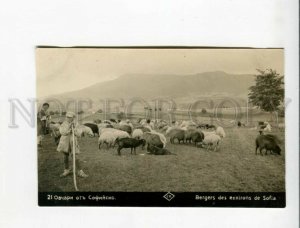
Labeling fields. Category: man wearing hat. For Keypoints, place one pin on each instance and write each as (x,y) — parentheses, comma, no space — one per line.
(44,116)
(66,143)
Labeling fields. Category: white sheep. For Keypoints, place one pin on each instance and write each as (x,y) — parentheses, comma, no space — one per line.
(118,133)
(147,126)
(268,128)
(171,128)
(165,128)
(101,126)
(187,124)
(184,128)
(107,129)
(126,123)
(80,130)
(143,121)
(110,135)
(253,128)
(54,128)
(176,123)
(206,133)
(212,141)
(161,136)
(281,126)
(152,124)
(107,138)
(137,133)
(220,132)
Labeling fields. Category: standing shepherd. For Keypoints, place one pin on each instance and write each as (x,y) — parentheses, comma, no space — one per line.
(42,122)
(66,144)
(44,116)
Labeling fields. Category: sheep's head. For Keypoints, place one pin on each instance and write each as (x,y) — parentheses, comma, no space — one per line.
(143,143)
(277,150)
(91,134)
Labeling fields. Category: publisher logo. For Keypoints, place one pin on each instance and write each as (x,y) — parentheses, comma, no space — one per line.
(169,196)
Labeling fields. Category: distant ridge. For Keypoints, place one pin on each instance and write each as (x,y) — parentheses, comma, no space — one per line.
(149,86)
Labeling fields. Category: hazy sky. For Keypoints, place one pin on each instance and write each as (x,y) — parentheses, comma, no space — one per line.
(64,69)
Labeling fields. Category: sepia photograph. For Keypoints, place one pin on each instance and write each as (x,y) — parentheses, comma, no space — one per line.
(149,114)
(161,126)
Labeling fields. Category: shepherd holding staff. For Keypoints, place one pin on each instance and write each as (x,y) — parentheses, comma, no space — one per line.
(68,144)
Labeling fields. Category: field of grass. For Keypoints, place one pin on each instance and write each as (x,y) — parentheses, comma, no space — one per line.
(233,168)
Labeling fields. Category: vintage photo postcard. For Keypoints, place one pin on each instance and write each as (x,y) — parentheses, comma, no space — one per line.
(161,126)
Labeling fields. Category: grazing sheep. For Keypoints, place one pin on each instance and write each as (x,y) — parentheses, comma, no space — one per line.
(110,135)
(112,120)
(93,126)
(206,126)
(171,128)
(188,124)
(175,123)
(162,125)
(148,127)
(118,133)
(81,130)
(107,122)
(107,138)
(267,142)
(152,139)
(281,126)
(54,128)
(137,134)
(220,132)
(143,121)
(210,126)
(152,124)
(201,126)
(130,143)
(161,137)
(188,135)
(124,127)
(206,133)
(97,121)
(159,151)
(176,134)
(144,129)
(197,137)
(165,128)
(184,128)
(212,141)
(126,123)
(103,125)
(268,128)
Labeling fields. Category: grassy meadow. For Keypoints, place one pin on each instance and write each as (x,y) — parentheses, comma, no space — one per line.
(233,168)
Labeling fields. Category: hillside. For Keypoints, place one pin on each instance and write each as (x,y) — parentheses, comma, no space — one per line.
(171,86)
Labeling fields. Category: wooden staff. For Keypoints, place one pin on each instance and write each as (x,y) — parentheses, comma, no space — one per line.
(74,159)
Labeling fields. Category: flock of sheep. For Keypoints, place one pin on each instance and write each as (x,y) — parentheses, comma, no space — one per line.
(149,133)
(152,134)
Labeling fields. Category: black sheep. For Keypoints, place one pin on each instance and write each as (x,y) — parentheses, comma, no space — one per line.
(197,137)
(159,151)
(178,134)
(93,126)
(152,139)
(267,142)
(129,143)
(239,123)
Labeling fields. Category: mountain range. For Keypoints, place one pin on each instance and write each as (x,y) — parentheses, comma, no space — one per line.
(150,86)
